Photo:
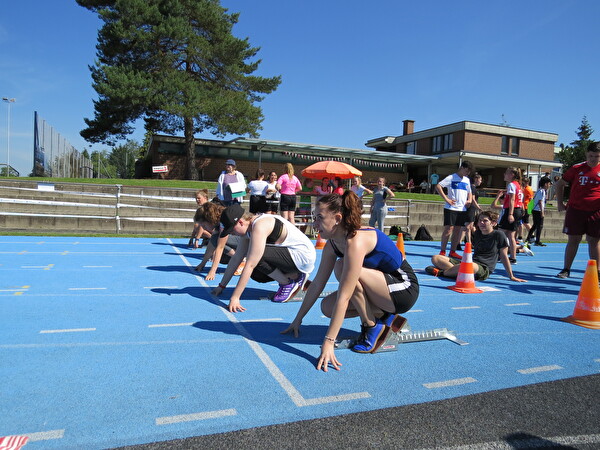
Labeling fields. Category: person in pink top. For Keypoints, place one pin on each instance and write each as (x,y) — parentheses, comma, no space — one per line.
(287,185)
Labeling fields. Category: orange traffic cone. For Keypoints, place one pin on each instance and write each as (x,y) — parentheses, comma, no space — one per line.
(320,244)
(465,281)
(587,308)
(400,244)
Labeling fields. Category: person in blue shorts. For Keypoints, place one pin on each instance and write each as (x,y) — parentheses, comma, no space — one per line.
(375,281)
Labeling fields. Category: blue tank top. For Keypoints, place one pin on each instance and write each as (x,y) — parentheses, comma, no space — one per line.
(384,257)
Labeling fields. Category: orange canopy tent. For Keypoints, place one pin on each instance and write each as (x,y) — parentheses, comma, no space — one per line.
(331,169)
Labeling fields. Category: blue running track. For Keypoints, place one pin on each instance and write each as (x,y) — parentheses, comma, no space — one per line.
(109,342)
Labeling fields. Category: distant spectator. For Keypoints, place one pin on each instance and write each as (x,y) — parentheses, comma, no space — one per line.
(231,185)
(379,205)
(358,188)
(257,189)
(288,185)
(424,186)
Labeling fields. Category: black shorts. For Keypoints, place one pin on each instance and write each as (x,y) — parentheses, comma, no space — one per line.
(258,204)
(506,225)
(272,205)
(472,214)
(403,286)
(287,203)
(525,218)
(452,218)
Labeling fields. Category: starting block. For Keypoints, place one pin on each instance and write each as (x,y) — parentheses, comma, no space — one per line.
(402,336)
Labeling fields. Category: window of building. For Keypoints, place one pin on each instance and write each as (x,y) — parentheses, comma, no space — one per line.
(411,148)
(447,142)
(441,143)
(436,144)
(505,142)
(514,146)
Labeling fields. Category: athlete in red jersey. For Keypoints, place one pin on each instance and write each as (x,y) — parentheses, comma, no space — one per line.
(583,209)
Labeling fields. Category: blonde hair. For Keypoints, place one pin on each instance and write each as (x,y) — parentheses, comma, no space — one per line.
(289,169)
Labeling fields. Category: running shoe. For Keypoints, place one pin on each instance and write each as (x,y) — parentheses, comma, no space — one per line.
(565,273)
(432,270)
(442,253)
(539,244)
(369,340)
(455,255)
(240,268)
(513,260)
(527,250)
(287,291)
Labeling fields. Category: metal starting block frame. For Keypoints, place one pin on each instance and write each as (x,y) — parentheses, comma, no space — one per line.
(403,336)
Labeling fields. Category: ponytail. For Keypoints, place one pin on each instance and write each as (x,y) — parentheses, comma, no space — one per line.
(349,206)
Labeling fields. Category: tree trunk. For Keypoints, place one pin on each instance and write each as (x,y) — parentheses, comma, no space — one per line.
(190,149)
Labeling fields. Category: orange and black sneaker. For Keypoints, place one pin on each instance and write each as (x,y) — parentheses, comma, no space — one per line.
(432,270)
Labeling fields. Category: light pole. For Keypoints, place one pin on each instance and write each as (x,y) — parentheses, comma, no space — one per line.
(9,101)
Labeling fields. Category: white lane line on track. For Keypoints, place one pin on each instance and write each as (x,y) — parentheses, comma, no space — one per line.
(68,330)
(116,344)
(88,289)
(466,307)
(531,370)
(45,435)
(276,373)
(449,383)
(563,301)
(195,416)
(517,304)
(159,325)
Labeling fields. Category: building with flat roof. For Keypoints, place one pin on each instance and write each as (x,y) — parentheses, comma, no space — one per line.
(491,148)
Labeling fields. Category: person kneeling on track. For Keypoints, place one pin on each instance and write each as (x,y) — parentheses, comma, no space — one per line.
(375,281)
(488,245)
(274,249)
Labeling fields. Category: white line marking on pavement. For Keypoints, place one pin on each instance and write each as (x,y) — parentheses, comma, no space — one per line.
(69,330)
(188,324)
(116,344)
(88,289)
(563,301)
(45,435)
(465,307)
(195,416)
(276,373)
(539,369)
(517,304)
(448,383)
(413,310)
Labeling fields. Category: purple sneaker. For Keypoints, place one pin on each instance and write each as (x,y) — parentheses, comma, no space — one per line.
(287,291)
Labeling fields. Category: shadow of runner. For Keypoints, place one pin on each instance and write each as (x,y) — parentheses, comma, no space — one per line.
(269,333)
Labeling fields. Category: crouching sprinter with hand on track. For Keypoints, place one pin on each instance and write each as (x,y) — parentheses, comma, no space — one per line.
(375,282)
(274,249)
(488,246)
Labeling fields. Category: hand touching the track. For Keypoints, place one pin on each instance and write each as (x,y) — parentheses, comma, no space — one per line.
(328,356)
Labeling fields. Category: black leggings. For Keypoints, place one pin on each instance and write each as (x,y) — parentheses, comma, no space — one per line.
(274,257)
(538,225)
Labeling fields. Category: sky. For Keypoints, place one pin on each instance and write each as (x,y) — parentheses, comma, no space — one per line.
(351,70)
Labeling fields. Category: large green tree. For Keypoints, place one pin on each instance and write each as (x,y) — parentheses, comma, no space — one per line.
(177,65)
(575,153)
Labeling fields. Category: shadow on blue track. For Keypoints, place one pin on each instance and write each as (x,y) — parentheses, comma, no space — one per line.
(537,316)
(269,333)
